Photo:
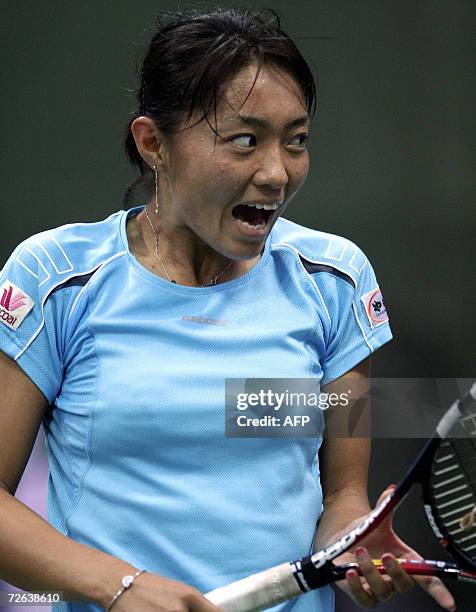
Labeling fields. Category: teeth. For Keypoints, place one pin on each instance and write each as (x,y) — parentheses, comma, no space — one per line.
(259,226)
(273,206)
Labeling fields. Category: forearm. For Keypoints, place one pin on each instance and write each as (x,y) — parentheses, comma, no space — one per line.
(35,556)
(339,511)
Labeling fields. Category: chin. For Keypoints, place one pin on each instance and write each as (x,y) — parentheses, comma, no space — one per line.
(246,251)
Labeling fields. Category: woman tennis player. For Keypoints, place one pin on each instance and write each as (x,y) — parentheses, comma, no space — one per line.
(118,336)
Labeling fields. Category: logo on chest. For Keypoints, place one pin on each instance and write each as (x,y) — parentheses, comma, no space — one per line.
(204,320)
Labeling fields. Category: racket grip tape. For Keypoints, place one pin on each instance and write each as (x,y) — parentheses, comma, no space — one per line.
(256,592)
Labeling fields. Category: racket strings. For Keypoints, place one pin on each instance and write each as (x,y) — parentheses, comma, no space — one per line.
(468,423)
(453,487)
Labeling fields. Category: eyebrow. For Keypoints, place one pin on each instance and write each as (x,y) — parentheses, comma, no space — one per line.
(257,122)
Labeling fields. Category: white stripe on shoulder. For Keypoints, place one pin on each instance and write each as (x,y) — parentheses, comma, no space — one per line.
(69,265)
(92,270)
(336,247)
(354,262)
(47,275)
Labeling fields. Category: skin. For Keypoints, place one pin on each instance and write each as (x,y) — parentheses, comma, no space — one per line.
(202,177)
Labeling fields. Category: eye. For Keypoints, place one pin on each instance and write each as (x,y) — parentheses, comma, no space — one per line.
(301,138)
(246,141)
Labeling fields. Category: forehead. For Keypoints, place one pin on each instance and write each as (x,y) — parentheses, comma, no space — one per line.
(275,95)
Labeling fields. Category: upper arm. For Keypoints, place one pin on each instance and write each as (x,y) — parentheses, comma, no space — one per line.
(22,406)
(344,461)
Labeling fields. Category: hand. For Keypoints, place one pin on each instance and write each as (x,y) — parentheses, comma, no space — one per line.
(372,587)
(154,593)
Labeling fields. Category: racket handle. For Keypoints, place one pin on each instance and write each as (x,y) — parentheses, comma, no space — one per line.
(257,592)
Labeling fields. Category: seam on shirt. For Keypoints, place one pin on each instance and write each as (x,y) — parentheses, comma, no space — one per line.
(21,347)
(308,289)
(90,423)
(364,335)
(317,322)
(311,287)
(93,272)
(375,333)
(94,399)
(308,278)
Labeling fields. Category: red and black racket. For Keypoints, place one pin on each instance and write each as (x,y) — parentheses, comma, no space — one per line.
(446,470)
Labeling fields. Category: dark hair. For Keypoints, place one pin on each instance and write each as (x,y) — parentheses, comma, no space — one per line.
(192,54)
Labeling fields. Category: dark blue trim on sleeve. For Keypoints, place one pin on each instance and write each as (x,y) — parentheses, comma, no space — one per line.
(312,267)
(76,281)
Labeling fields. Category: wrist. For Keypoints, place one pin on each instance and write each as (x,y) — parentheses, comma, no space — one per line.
(339,515)
(126,583)
(108,582)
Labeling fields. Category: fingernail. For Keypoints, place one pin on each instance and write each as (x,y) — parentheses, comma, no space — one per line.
(352,573)
(388,561)
(362,554)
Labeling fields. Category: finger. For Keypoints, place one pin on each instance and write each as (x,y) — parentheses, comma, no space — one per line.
(382,588)
(402,581)
(436,589)
(361,596)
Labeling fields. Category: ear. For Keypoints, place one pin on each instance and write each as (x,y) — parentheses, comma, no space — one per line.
(150,141)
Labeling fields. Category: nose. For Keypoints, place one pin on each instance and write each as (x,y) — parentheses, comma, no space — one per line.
(272,171)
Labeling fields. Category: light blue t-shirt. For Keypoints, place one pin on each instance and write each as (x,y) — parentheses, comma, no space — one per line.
(134,369)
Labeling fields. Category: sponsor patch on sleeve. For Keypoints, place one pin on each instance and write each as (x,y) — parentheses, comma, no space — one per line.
(15,304)
(375,307)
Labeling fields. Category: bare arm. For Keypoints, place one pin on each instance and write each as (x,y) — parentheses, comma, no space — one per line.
(344,466)
(34,555)
(32,552)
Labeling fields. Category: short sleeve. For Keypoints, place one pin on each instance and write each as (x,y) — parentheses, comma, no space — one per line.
(31,316)
(356,316)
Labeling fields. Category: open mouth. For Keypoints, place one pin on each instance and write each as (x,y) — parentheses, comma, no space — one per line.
(254,215)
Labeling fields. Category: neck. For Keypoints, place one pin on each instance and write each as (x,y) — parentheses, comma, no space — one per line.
(182,257)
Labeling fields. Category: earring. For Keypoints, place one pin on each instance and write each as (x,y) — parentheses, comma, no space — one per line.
(156,190)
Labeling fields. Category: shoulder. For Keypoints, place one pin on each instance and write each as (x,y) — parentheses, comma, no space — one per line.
(52,257)
(320,252)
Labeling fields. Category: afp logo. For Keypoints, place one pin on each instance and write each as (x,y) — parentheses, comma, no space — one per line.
(375,307)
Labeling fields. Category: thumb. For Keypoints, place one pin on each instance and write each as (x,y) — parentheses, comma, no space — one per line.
(387,521)
(385,493)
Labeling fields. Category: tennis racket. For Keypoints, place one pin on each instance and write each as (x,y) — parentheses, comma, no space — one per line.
(446,470)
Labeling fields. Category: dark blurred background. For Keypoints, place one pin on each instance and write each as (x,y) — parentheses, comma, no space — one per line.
(391,166)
